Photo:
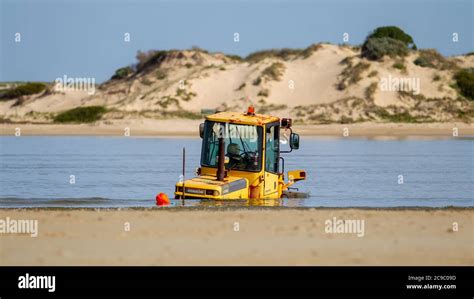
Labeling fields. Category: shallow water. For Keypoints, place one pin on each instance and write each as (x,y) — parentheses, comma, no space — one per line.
(129,172)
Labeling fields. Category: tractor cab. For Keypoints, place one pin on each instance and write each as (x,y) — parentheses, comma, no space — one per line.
(240,158)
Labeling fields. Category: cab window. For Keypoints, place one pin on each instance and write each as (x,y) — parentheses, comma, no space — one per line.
(272,147)
(243,146)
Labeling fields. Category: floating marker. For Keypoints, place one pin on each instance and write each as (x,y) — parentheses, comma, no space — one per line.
(162,200)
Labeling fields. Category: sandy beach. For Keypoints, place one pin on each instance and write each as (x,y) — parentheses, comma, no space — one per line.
(265,236)
(189,128)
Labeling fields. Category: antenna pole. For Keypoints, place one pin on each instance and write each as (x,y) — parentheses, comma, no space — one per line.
(184,179)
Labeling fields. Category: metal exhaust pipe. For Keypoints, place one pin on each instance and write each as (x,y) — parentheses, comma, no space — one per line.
(221,160)
(184,173)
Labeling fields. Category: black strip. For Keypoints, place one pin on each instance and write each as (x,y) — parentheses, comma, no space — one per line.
(291,282)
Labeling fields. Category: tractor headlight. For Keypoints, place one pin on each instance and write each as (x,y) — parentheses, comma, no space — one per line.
(212,192)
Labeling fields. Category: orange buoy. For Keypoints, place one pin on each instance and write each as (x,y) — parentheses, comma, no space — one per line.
(162,200)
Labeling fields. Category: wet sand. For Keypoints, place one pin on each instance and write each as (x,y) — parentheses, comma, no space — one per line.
(189,128)
(266,236)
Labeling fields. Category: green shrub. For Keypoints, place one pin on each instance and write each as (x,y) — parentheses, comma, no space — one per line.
(356,72)
(284,53)
(242,86)
(146,82)
(352,74)
(257,81)
(145,59)
(274,71)
(81,115)
(403,117)
(122,73)
(465,82)
(370,91)
(400,66)
(167,101)
(373,74)
(234,57)
(198,49)
(394,33)
(423,62)
(160,74)
(309,50)
(346,61)
(24,90)
(264,93)
(345,120)
(432,59)
(377,48)
(184,95)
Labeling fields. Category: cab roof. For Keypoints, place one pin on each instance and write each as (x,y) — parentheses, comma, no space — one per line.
(242,118)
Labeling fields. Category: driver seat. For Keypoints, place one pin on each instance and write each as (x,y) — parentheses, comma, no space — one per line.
(233,151)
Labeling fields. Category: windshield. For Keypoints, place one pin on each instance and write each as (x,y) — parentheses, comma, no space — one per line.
(243,146)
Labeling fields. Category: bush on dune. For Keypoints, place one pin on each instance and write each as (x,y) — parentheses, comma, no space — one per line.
(234,57)
(377,48)
(148,58)
(389,40)
(274,71)
(465,82)
(122,73)
(352,74)
(81,115)
(24,90)
(393,32)
(284,54)
(432,59)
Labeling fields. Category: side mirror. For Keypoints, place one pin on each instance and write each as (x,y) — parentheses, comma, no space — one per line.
(201,130)
(294,141)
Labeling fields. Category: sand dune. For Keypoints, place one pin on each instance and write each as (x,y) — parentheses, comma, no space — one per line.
(322,84)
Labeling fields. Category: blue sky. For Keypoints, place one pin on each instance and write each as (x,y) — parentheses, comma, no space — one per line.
(84,38)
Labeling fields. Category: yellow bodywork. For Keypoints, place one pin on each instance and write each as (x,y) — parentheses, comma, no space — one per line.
(239,184)
(242,118)
(205,186)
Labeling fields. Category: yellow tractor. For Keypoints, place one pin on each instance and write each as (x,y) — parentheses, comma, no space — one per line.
(240,158)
